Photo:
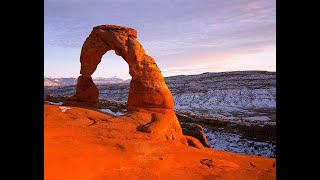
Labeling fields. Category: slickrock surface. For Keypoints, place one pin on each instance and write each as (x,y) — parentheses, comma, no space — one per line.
(86,144)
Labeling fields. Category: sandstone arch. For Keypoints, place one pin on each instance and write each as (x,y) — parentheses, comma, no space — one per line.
(149,100)
(147,87)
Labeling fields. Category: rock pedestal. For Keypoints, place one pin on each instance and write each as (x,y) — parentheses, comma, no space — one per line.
(87,94)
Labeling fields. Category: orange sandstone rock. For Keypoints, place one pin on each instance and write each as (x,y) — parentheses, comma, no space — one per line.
(86,144)
(148,90)
(194,142)
(195,130)
(87,94)
(164,125)
(147,87)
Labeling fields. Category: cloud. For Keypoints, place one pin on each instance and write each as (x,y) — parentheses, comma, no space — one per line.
(168,30)
(262,59)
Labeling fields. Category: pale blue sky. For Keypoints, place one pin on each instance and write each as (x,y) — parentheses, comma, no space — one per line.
(183,36)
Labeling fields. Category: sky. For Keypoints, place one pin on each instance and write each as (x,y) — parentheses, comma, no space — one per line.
(183,36)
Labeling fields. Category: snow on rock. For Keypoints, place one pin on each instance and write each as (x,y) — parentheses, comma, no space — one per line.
(64,108)
(234,143)
(230,100)
(259,118)
(108,111)
(54,103)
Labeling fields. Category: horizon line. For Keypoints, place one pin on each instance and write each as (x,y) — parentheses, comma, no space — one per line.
(49,76)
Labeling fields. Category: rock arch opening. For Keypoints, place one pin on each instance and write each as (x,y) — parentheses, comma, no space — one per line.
(112,78)
(112,66)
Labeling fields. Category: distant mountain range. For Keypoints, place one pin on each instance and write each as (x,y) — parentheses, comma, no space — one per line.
(60,82)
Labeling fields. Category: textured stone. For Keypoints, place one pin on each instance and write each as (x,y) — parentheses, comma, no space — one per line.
(147,87)
(149,97)
(87,94)
(194,142)
(163,123)
(86,144)
(196,131)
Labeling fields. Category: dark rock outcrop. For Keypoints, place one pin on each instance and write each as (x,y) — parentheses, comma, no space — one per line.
(196,131)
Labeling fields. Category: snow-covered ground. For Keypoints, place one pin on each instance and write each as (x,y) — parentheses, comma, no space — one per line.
(54,103)
(259,118)
(243,120)
(64,108)
(108,111)
(231,94)
(227,100)
(235,143)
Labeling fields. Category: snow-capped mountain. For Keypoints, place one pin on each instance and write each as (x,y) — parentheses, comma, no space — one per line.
(112,80)
(49,81)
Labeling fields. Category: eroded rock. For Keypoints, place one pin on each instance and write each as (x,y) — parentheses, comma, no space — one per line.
(147,87)
(196,131)
(148,92)
(194,142)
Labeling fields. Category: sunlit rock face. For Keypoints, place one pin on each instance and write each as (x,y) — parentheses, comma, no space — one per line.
(148,92)
(147,87)
(87,94)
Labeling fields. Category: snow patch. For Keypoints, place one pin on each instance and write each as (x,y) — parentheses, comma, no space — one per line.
(54,103)
(108,111)
(234,143)
(64,108)
(257,118)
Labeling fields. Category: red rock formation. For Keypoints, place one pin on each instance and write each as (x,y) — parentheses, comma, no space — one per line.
(147,87)
(87,94)
(162,123)
(196,131)
(85,144)
(194,142)
(148,90)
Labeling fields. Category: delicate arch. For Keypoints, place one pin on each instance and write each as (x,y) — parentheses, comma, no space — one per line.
(147,87)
